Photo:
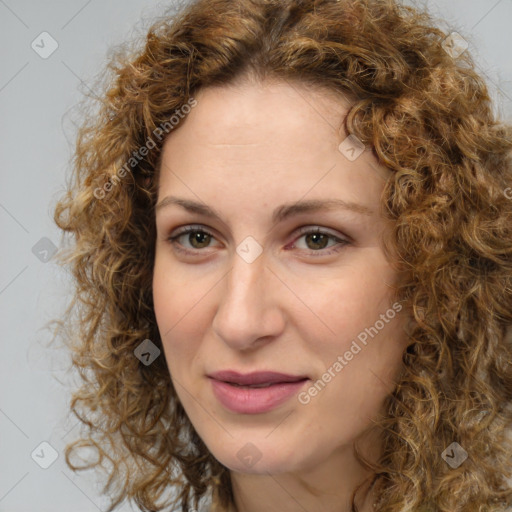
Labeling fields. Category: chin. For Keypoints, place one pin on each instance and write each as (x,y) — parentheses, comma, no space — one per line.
(258,457)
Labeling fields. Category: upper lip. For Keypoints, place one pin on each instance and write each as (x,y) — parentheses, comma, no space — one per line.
(254,377)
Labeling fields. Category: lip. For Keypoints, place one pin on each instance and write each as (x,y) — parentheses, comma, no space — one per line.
(254,377)
(244,400)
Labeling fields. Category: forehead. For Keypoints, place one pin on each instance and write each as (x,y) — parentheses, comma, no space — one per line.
(250,122)
(243,113)
(279,138)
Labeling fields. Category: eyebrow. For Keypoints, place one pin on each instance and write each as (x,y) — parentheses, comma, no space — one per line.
(280,213)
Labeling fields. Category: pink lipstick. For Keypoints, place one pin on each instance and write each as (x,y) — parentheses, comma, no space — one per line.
(256,392)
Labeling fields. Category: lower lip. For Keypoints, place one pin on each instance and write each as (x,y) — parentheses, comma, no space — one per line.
(254,400)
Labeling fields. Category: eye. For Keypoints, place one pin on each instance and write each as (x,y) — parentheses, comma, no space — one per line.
(195,235)
(316,240)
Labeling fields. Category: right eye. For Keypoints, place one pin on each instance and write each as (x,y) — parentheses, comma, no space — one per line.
(196,236)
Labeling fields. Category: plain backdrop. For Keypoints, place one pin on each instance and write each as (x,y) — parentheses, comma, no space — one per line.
(37,133)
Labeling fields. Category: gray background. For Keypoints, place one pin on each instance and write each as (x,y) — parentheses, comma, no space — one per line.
(36,136)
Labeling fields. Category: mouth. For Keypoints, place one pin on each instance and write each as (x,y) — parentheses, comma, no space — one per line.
(255,379)
(254,393)
(255,386)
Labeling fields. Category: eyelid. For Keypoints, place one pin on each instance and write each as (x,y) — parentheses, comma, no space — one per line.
(326,231)
(190,228)
(341,241)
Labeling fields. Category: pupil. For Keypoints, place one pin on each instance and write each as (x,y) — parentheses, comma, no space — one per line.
(315,237)
(196,237)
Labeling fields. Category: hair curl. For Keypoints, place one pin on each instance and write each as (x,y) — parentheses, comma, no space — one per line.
(428,118)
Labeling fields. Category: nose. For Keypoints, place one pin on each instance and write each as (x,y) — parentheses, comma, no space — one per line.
(249,312)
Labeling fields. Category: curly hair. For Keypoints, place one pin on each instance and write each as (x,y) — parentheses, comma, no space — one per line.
(427,116)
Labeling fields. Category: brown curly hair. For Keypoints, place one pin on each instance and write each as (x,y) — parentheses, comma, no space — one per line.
(426,116)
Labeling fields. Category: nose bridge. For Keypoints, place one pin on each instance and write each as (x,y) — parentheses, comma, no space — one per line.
(244,280)
(245,309)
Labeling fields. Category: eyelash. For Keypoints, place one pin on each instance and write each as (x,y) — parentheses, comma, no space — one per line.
(302,232)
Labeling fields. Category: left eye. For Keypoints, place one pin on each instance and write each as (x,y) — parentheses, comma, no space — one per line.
(319,240)
(316,240)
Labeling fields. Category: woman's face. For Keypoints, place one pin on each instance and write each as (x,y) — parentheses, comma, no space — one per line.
(255,289)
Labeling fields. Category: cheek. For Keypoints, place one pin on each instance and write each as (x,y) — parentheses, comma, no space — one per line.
(356,318)
(176,295)
(349,302)
(165,304)
(175,316)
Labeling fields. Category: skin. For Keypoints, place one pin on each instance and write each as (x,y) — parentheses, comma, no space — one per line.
(244,150)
